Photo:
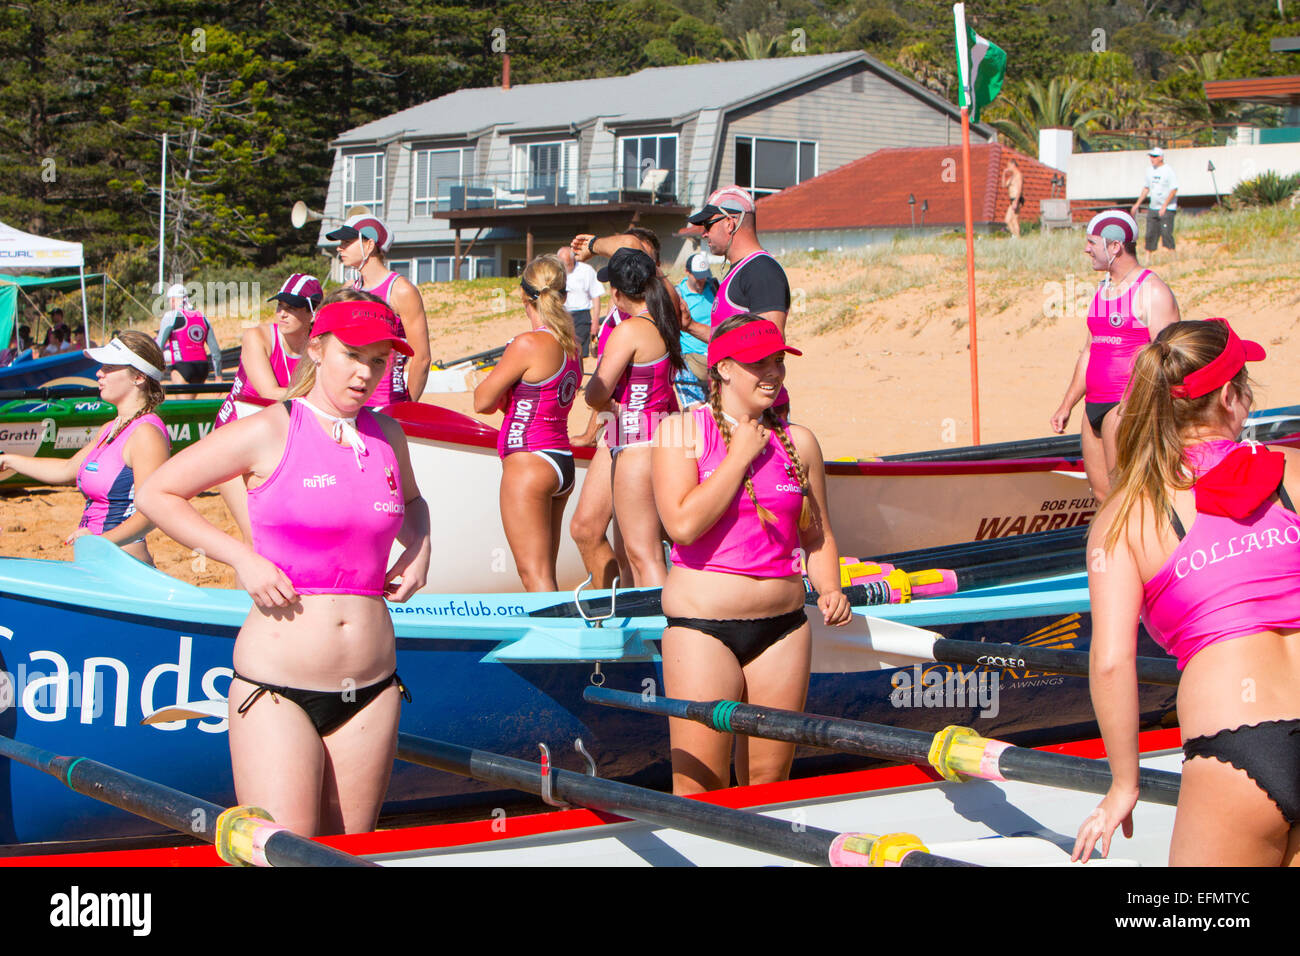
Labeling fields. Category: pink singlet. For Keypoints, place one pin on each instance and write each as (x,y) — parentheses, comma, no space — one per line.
(392,387)
(282,366)
(537,418)
(724,308)
(1227,578)
(189,343)
(643,395)
(1117,337)
(106,481)
(738,543)
(323,519)
(607,325)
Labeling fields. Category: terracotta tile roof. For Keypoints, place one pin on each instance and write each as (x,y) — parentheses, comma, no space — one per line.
(872,192)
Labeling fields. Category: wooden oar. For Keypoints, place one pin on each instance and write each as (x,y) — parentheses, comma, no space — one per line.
(241,836)
(955,752)
(737,827)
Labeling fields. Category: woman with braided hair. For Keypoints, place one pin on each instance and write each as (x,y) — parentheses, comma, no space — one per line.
(743,495)
(534,384)
(1200,541)
(126,451)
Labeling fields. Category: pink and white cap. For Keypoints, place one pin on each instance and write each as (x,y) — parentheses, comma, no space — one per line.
(1114,225)
(300,291)
(732,200)
(365,226)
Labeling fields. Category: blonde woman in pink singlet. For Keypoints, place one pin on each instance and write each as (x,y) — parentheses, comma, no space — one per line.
(534,383)
(1200,541)
(315,698)
(743,495)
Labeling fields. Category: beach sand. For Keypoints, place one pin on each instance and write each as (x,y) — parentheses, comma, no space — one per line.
(886,365)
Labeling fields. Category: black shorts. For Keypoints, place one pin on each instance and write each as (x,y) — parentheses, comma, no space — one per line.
(194,373)
(582,329)
(1096,411)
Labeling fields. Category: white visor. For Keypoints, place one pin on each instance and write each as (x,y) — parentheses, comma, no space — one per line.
(115,353)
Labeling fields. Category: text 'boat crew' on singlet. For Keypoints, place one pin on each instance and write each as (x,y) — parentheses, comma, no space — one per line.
(1237,570)
(537,415)
(643,396)
(392,387)
(1117,337)
(107,482)
(282,366)
(738,542)
(329,513)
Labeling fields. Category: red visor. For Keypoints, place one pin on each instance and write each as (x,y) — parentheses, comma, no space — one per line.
(1236,353)
(751,342)
(360,323)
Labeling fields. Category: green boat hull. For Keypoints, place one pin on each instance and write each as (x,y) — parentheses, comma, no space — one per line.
(60,428)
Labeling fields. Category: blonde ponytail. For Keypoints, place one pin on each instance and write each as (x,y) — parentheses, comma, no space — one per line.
(546,274)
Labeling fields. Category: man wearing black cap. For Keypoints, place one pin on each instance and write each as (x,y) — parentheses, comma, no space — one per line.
(756,282)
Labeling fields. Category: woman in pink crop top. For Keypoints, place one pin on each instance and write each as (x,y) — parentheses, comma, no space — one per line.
(268,355)
(744,497)
(330,488)
(1130,307)
(633,383)
(534,383)
(124,453)
(1200,541)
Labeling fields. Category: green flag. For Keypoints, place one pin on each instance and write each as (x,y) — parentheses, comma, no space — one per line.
(981,66)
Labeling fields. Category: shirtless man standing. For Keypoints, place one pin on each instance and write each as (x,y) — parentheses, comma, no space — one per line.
(1013,179)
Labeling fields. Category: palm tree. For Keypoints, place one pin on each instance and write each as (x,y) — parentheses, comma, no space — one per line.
(752,46)
(1045,107)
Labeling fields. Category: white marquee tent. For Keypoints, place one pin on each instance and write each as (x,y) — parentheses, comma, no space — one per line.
(21,251)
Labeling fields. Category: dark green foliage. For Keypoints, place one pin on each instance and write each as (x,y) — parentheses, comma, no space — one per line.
(1267,189)
(252,93)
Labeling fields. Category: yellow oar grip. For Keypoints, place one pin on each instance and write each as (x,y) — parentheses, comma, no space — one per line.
(867,849)
(958,753)
(242,833)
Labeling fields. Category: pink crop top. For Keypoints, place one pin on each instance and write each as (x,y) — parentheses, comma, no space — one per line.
(1117,337)
(328,515)
(1228,577)
(738,543)
(107,482)
(537,417)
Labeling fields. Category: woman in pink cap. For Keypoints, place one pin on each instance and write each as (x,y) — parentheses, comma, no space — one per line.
(1199,540)
(743,495)
(1131,306)
(123,455)
(315,698)
(267,358)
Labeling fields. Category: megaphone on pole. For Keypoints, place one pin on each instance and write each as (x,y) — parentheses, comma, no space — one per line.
(300,215)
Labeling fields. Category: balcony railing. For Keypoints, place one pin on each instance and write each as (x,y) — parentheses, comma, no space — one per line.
(592,186)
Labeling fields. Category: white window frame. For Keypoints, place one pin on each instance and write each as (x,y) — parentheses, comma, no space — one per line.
(618,151)
(376,206)
(800,174)
(425,198)
(521,171)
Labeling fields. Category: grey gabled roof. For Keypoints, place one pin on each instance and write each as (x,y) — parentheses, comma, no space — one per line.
(658,93)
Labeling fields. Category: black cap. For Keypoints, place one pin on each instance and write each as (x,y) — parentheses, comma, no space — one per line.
(629,271)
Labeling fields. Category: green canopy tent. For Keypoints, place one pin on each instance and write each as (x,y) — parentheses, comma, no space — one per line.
(9,286)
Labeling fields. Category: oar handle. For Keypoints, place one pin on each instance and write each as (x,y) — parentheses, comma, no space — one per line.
(1150,670)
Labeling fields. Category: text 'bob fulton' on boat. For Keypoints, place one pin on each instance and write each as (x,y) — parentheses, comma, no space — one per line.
(942,687)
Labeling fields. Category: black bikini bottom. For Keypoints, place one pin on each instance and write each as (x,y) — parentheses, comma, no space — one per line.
(1096,411)
(1268,753)
(328,710)
(747,638)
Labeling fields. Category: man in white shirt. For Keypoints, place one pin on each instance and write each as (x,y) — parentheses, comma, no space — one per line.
(1162,187)
(583,296)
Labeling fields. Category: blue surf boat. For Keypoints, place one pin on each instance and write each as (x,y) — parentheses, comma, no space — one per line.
(66,368)
(91,647)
